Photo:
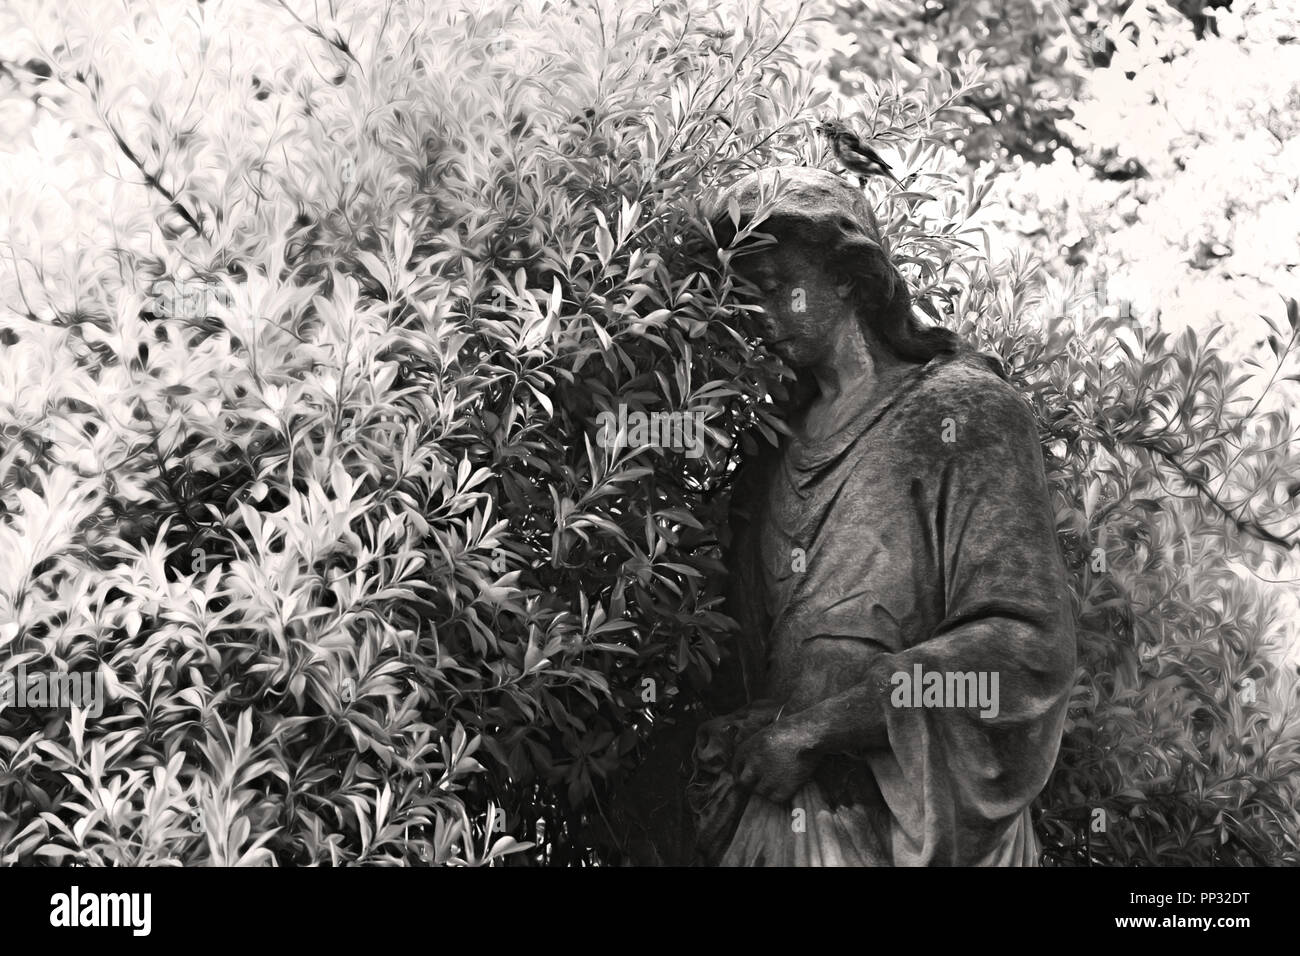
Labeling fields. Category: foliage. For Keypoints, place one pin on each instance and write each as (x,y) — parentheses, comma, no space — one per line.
(1148,145)
(305,464)
(1028,49)
(1182,742)
(300,453)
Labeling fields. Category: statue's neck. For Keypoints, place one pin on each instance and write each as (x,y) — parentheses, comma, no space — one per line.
(856,374)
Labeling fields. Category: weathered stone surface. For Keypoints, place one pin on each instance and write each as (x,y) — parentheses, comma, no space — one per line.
(904,529)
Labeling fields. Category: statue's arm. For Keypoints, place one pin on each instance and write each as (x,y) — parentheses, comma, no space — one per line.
(1005,606)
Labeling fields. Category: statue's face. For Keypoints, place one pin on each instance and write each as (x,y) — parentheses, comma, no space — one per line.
(803,309)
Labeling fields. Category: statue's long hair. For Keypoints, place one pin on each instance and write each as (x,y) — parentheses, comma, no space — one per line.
(879,293)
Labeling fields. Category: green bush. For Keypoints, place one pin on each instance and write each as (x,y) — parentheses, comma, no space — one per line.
(315,483)
(1182,743)
(302,459)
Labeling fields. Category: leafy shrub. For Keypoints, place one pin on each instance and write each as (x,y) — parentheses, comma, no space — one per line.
(1182,743)
(311,475)
(302,459)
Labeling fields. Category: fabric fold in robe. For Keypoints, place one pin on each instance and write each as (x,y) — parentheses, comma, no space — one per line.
(920,534)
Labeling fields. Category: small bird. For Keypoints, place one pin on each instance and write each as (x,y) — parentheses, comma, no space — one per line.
(853,154)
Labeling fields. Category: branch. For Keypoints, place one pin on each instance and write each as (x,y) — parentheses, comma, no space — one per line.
(337,41)
(1252,528)
(150,179)
(971,100)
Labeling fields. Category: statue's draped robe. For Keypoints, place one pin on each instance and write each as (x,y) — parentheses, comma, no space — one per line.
(921,533)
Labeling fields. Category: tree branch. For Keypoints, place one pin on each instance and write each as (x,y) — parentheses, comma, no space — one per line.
(150,179)
(1252,528)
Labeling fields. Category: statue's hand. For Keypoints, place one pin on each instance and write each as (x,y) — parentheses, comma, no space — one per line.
(777,761)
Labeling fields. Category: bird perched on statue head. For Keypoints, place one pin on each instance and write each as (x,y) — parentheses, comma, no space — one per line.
(853,154)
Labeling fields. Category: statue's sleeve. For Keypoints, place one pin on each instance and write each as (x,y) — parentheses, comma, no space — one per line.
(962,779)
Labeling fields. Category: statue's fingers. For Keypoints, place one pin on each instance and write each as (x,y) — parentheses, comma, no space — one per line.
(748,776)
(741,758)
(767,783)
(782,793)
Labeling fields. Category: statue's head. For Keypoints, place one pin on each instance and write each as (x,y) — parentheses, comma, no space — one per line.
(827,266)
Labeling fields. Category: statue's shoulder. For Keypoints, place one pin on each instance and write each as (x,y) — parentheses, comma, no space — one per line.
(966,389)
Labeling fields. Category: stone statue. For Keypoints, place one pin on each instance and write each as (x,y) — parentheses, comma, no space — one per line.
(907,645)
